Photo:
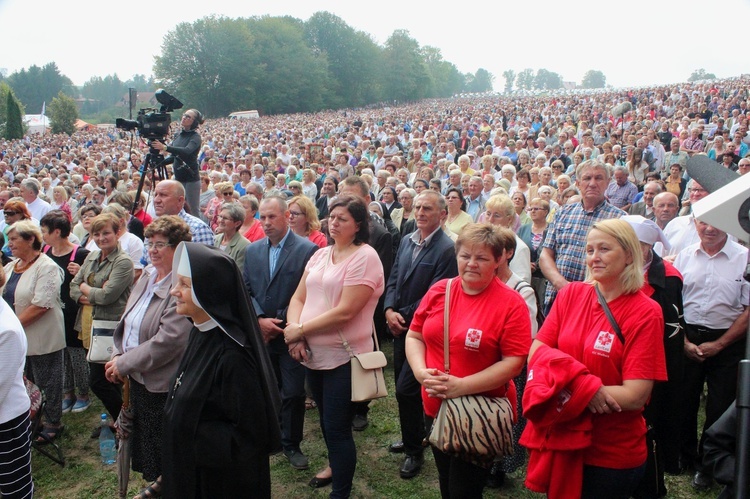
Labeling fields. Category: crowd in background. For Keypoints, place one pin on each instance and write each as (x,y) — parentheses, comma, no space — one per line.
(543,170)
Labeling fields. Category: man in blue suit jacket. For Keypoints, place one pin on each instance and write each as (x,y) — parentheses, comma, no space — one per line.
(425,256)
(273,269)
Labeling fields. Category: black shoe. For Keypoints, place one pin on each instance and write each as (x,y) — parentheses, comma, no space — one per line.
(396,447)
(298,460)
(702,481)
(359,422)
(317,482)
(496,478)
(411,466)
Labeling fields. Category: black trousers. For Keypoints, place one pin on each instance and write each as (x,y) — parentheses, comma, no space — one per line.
(409,398)
(720,374)
(108,393)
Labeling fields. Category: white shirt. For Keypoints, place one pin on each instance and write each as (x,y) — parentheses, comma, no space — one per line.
(38,208)
(134,319)
(714,290)
(133,246)
(521,263)
(13,398)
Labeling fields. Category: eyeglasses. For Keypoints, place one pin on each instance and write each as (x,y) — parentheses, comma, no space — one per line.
(227,193)
(537,209)
(695,189)
(294,214)
(187,116)
(10,213)
(157,246)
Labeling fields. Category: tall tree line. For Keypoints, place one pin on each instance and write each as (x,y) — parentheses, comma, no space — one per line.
(283,64)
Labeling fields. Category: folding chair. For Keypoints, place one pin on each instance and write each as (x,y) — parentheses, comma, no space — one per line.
(48,448)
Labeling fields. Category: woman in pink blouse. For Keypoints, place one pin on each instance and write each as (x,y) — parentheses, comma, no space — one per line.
(336,297)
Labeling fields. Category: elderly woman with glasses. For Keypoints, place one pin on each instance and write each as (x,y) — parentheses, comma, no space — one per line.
(14,211)
(148,344)
(228,237)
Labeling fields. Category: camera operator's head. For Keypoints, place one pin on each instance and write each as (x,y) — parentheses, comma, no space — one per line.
(191,119)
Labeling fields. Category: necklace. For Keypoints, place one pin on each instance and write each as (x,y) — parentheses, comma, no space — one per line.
(20,268)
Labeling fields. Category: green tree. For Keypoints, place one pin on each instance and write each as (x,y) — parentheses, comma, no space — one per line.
(13,118)
(210,64)
(294,78)
(701,74)
(547,80)
(63,114)
(483,80)
(594,79)
(140,83)
(37,85)
(407,75)
(105,92)
(510,77)
(525,79)
(447,79)
(351,58)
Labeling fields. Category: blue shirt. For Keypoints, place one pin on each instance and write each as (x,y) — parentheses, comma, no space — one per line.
(566,237)
(275,251)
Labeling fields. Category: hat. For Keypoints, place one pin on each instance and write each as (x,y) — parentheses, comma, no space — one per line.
(471,154)
(647,230)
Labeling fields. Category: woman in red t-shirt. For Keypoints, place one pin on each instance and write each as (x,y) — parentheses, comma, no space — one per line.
(577,325)
(489,337)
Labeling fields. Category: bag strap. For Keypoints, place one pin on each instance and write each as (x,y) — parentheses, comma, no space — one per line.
(343,340)
(609,315)
(446,318)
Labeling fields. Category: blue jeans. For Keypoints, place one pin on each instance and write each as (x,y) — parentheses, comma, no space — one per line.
(332,391)
(610,483)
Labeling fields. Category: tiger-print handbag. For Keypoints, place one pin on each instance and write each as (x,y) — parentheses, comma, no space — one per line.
(474,428)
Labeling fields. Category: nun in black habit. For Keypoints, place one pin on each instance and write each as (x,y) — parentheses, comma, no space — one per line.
(221,415)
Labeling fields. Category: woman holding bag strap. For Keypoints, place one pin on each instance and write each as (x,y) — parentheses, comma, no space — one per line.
(489,339)
(336,297)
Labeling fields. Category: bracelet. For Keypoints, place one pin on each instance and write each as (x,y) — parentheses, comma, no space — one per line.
(301,330)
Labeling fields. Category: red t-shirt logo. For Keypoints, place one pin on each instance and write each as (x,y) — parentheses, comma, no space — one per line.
(604,341)
(473,338)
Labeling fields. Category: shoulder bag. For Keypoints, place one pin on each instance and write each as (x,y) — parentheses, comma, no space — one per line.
(475,428)
(652,483)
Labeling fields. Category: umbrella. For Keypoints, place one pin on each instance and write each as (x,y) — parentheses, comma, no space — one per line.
(124,427)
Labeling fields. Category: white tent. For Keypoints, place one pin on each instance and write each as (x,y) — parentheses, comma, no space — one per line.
(37,123)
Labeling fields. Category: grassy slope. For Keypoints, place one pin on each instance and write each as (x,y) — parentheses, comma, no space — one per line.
(376,476)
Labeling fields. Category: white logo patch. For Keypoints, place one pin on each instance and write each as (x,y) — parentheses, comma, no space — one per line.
(604,341)
(473,338)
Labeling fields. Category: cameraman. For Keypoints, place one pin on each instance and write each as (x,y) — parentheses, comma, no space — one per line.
(184,155)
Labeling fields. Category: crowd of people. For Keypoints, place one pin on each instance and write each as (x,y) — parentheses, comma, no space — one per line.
(559,228)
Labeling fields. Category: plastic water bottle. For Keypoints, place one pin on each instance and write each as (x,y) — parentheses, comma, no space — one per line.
(107,443)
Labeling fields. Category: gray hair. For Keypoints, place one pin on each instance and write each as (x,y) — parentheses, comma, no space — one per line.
(235,210)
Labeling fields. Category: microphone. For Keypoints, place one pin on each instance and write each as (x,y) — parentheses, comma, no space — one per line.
(621,109)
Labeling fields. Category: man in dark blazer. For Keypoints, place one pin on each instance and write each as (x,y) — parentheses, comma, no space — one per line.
(273,269)
(327,193)
(425,256)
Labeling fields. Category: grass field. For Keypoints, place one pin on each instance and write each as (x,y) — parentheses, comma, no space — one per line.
(376,477)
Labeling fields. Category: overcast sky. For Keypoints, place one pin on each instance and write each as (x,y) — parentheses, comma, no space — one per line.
(639,42)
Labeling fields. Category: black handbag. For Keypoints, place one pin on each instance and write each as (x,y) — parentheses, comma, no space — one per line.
(652,484)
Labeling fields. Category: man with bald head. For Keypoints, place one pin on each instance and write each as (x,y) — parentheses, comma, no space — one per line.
(666,206)
(169,199)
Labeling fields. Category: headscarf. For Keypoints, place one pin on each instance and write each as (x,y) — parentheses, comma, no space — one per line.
(218,289)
